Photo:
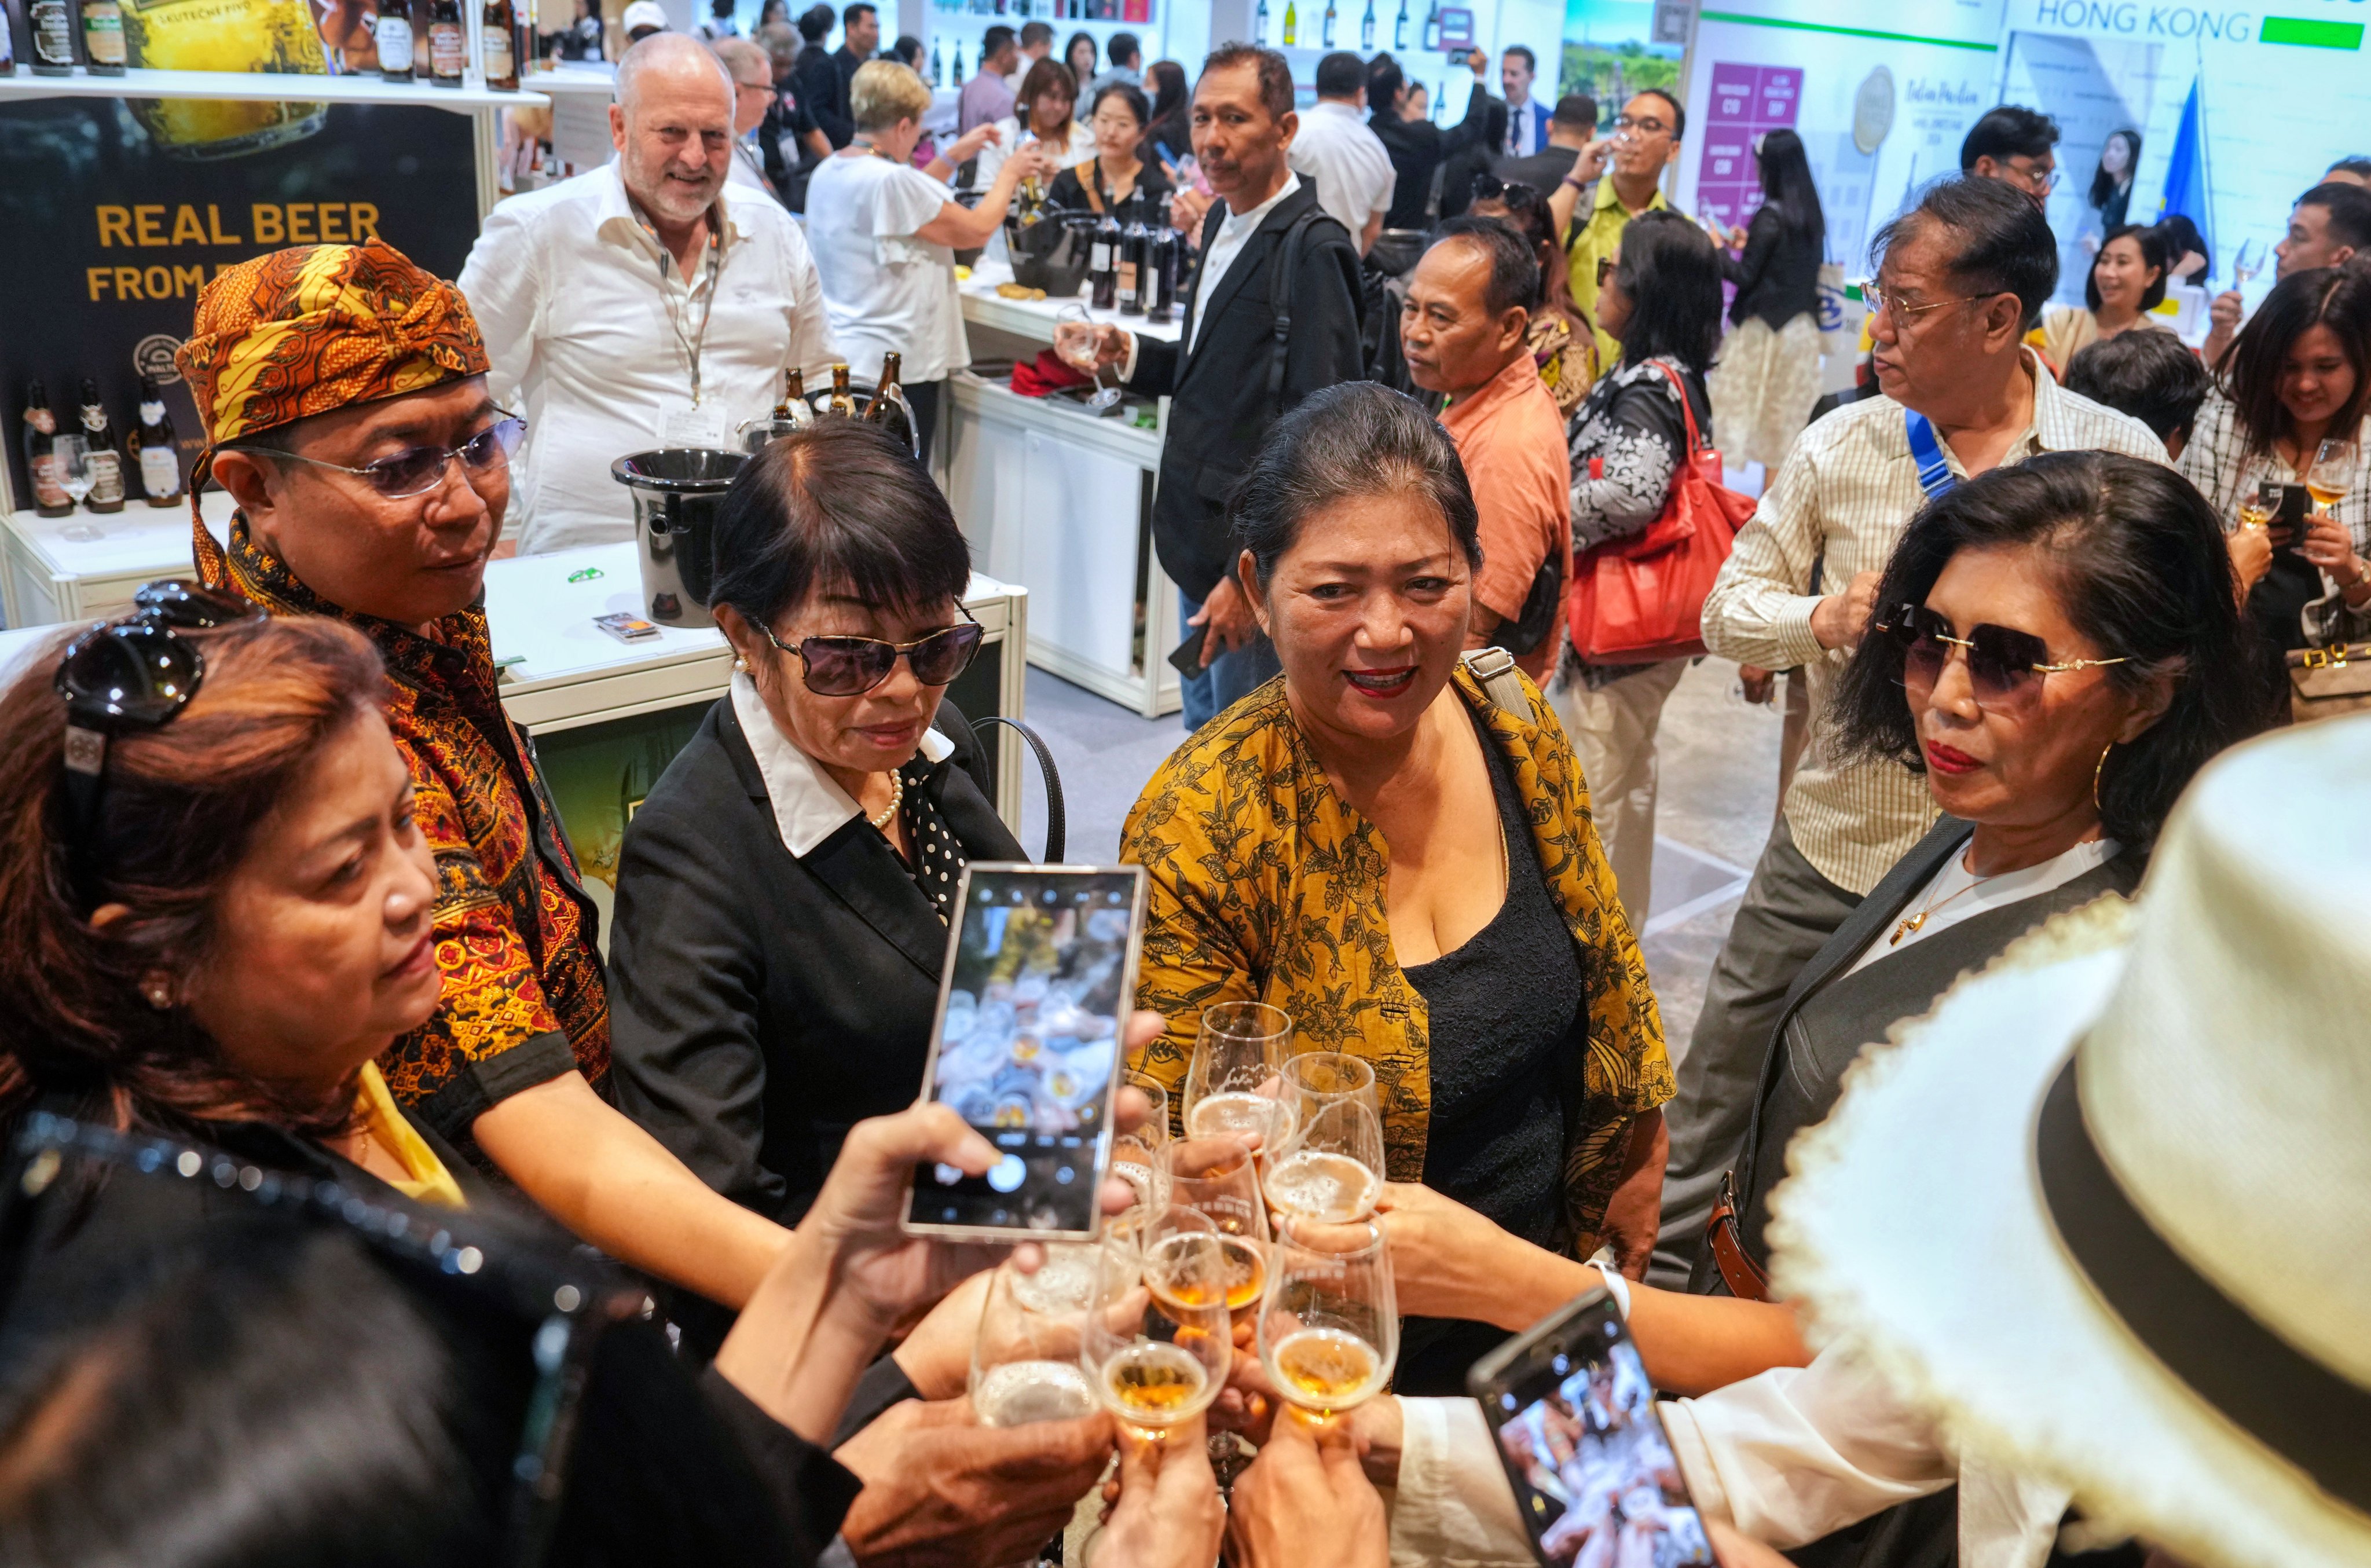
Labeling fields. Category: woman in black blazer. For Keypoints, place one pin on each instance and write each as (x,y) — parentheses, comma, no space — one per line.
(783,892)
(2067,636)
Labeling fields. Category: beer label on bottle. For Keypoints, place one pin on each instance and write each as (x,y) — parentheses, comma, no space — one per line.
(106,478)
(393,39)
(499,57)
(94,418)
(1099,257)
(447,53)
(161,474)
(42,419)
(103,34)
(49,483)
(53,32)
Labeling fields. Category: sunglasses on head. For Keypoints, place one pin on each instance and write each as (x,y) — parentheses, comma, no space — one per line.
(135,673)
(849,667)
(2005,666)
(416,471)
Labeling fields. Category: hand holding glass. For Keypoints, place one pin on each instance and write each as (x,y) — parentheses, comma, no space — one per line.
(1025,1359)
(1078,338)
(1157,1343)
(2332,466)
(1235,1082)
(1332,1169)
(1329,1327)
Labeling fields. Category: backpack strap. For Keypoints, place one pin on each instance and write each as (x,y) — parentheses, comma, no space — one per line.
(1285,267)
(1934,470)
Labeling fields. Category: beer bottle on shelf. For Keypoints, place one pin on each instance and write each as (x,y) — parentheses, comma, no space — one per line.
(1399,28)
(1292,24)
(50,497)
(1132,243)
(106,456)
(1367,29)
(53,47)
(1325,36)
(449,43)
(102,37)
(1259,25)
(877,411)
(151,443)
(1102,264)
(840,402)
(392,39)
(499,46)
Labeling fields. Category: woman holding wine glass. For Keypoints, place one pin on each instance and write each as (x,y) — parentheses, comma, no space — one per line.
(2297,378)
(1044,114)
(1117,172)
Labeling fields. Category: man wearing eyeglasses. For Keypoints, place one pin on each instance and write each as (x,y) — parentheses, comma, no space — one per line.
(1646,141)
(2014,146)
(1961,279)
(652,302)
(344,395)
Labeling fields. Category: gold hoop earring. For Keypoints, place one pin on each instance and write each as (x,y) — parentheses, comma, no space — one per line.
(2097,768)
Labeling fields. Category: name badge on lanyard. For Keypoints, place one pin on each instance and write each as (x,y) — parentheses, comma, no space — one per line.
(696,420)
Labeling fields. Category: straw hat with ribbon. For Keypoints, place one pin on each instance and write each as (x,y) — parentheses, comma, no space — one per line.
(2107,1211)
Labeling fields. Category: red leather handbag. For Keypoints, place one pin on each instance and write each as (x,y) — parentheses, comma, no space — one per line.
(1639,599)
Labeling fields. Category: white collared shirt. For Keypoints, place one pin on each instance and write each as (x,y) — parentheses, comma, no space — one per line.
(1235,231)
(809,805)
(1354,174)
(566,286)
(1955,893)
(888,288)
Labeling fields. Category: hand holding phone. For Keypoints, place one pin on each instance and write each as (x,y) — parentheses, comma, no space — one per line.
(1573,1417)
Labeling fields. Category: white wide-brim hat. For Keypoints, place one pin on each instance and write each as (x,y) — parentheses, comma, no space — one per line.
(2106,1212)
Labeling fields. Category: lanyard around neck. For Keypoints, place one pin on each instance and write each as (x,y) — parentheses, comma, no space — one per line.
(690,343)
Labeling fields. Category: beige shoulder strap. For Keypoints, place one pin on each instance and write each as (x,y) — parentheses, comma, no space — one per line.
(1495,668)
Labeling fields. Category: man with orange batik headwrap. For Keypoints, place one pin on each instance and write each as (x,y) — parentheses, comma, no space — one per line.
(344,395)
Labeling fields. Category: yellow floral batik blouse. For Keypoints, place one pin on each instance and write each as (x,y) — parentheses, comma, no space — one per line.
(1266,884)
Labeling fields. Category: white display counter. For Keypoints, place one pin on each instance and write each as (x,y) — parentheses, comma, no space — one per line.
(86,566)
(1055,496)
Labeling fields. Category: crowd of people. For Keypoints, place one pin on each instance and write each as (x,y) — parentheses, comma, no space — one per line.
(362,1205)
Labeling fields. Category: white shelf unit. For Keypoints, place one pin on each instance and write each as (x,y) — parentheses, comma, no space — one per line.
(262,86)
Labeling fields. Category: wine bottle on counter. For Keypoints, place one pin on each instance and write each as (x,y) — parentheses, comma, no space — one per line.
(501,46)
(106,455)
(153,444)
(877,411)
(1132,242)
(449,43)
(839,401)
(392,39)
(102,37)
(50,497)
(1102,264)
(1167,257)
(53,30)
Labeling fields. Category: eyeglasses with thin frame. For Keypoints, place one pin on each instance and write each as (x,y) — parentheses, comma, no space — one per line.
(1883,302)
(416,471)
(1647,126)
(2040,181)
(2005,666)
(849,667)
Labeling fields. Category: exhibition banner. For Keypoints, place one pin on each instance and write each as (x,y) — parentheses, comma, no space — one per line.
(115,213)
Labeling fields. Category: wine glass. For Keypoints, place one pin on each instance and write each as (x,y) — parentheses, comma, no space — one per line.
(2258,509)
(2327,477)
(1332,1169)
(2248,263)
(1136,1156)
(1218,1179)
(1076,335)
(76,477)
(1315,1079)
(1235,1083)
(1329,1327)
(1025,1359)
(1156,1341)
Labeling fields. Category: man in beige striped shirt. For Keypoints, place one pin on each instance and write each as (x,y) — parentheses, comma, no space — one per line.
(1961,279)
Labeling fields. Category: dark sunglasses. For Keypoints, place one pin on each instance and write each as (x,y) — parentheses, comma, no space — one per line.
(135,673)
(2004,665)
(416,471)
(1519,196)
(849,667)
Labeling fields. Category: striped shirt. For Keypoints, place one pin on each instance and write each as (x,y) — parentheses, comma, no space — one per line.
(2218,462)
(1839,503)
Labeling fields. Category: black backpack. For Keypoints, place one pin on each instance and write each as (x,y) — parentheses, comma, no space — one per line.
(1379,315)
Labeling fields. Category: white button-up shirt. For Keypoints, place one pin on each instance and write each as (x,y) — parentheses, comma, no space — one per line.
(1354,174)
(574,295)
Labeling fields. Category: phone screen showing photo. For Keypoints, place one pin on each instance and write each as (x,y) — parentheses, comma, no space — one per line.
(1594,1476)
(1029,1041)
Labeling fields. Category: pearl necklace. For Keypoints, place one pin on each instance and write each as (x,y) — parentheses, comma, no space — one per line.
(897,798)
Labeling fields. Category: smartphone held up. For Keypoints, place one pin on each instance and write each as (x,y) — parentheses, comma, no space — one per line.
(1039,980)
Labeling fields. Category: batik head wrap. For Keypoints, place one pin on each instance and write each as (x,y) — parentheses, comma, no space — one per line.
(319,327)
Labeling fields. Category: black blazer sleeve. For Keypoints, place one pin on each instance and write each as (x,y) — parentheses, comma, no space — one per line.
(1760,244)
(687,973)
(1157,361)
(1327,350)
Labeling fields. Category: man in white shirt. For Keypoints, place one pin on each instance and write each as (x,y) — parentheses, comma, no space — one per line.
(648,302)
(1037,43)
(1337,153)
(1527,123)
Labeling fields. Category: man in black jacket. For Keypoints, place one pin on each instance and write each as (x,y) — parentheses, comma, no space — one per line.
(1223,376)
(816,79)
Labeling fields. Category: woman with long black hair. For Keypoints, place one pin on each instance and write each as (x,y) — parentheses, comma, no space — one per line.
(1769,373)
(2111,181)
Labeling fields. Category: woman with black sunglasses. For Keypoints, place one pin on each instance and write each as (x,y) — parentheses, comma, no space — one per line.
(783,892)
(2058,649)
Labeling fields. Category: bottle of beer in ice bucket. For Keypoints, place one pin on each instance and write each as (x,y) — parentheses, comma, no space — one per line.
(877,411)
(841,400)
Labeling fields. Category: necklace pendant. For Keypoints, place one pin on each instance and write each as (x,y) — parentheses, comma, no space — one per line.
(1916,923)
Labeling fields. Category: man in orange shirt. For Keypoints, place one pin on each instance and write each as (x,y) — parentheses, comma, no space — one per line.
(1462,329)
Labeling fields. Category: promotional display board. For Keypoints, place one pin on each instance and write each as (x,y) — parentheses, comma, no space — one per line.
(111,221)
